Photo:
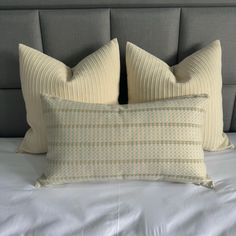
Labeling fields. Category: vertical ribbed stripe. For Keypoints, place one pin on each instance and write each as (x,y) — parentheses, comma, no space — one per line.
(149,78)
(94,80)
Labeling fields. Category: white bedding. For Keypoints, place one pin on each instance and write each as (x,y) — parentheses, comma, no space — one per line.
(115,208)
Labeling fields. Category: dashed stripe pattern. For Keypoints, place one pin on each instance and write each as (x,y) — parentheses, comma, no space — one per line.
(135,111)
(95,80)
(144,142)
(150,78)
(135,125)
(125,143)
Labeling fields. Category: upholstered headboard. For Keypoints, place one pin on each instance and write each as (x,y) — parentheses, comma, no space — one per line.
(71,29)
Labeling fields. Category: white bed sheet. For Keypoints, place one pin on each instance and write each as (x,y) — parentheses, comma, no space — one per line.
(115,208)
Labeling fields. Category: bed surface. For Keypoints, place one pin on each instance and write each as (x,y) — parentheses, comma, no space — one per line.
(115,208)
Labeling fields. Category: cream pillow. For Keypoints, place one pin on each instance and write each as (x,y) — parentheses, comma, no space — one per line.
(154,141)
(95,80)
(150,78)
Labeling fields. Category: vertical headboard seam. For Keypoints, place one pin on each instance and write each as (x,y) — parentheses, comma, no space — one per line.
(179,39)
(110,22)
(232,126)
(40,27)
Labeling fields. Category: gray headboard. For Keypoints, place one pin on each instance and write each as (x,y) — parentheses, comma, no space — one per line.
(71,29)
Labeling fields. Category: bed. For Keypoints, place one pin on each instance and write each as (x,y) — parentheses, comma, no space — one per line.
(118,207)
(170,30)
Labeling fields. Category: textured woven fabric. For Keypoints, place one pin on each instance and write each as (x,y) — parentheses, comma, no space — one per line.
(150,78)
(153,141)
(95,79)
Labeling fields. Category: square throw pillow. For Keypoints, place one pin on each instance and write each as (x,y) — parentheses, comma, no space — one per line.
(148,141)
(95,79)
(150,78)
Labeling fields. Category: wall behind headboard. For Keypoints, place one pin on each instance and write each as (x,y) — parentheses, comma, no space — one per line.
(69,30)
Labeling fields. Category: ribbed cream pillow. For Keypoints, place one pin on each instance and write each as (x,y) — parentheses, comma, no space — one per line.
(150,78)
(151,141)
(95,79)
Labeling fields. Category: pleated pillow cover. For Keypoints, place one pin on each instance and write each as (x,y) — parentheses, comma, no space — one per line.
(95,80)
(150,78)
(148,141)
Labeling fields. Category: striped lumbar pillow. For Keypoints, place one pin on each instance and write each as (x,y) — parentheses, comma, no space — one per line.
(95,79)
(149,78)
(153,141)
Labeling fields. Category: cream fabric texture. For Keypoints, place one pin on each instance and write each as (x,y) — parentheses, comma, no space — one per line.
(95,80)
(150,78)
(151,141)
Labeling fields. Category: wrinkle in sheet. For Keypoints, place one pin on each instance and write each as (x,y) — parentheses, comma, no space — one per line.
(133,208)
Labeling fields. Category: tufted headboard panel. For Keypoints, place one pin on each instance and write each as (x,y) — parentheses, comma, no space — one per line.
(70,30)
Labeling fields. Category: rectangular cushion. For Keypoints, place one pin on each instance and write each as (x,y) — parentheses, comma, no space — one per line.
(150,141)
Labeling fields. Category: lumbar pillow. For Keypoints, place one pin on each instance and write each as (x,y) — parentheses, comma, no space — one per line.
(95,79)
(150,78)
(151,141)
